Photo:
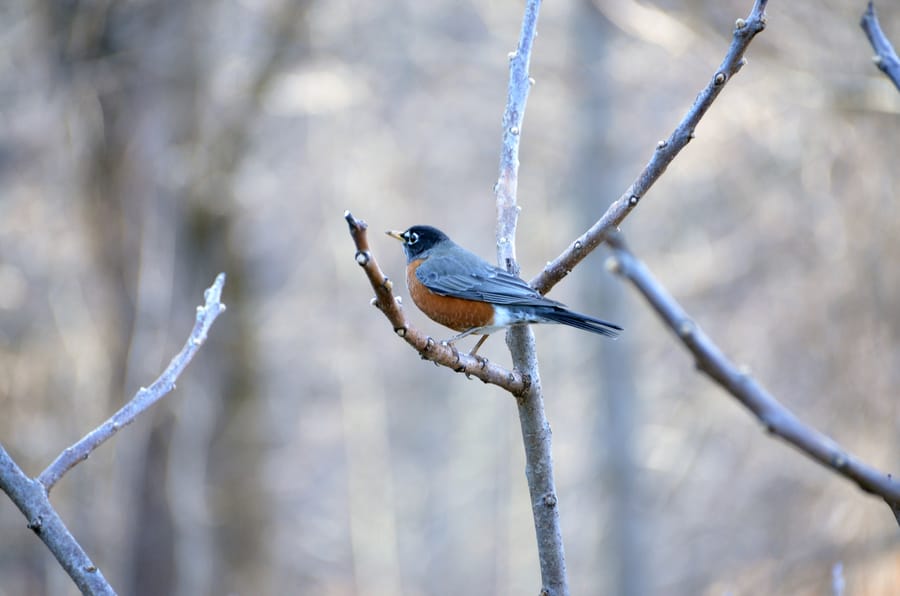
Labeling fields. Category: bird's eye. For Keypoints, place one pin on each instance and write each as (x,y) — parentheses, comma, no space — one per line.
(412,238)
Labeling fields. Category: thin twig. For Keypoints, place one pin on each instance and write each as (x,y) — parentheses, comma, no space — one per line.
(146,396)
(437,352)
(744,32)
(775,417)
(536,435)
(885,57)
(32,500)
(513,116)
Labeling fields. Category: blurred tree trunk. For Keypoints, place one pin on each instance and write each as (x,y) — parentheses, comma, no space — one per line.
(95,57)
(142,63)
(594,162)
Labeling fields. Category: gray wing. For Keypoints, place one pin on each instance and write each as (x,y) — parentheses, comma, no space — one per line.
(470,277)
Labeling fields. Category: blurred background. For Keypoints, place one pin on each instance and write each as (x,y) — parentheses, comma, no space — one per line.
(146,146)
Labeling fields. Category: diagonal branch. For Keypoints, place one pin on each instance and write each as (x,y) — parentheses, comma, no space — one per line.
(146,396)
(775,417)
(744,32)
(32,497)
(885,57)
(513,116)
(32,500)
(439,353)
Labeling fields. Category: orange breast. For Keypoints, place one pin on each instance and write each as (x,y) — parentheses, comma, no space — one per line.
(458,314)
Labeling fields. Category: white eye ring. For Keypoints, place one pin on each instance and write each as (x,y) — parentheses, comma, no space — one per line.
(412,238)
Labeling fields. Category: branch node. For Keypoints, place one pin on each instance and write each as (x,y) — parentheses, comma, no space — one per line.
(512,55)
(662,144)
(550,500)
(401,331)
(839,461)
(531,81)
(526,385)
(686,329)
(36,525)
(513,130)
(633,200)
(362,257)
(739,24)
(720,79)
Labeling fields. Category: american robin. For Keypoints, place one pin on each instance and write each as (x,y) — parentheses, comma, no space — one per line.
(462,291)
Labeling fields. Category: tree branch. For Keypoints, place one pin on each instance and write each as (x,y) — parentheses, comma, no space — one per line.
(536,434)
(520,340)
(744,32)
(146,396)
(32,500)
(32,497)
(775,417)
(885,57)
(439,353)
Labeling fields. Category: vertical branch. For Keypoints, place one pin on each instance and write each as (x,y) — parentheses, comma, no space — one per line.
(517,96)
(536,434)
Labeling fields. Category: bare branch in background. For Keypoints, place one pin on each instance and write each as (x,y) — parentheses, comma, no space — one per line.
(885,57)
(32,497)
(32,500)
(775,417)
(744,32)
(146,396)
(437,352)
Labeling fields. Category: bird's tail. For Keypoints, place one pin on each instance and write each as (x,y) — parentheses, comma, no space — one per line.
(580,321)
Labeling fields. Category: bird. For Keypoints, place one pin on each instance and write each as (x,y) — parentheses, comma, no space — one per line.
(458,289)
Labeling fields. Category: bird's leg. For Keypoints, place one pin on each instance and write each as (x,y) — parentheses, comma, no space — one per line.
(478,345)
(466,333)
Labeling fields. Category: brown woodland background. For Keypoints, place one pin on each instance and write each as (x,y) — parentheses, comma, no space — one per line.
(147,145)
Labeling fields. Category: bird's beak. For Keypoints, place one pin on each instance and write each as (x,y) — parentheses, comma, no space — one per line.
(397,235)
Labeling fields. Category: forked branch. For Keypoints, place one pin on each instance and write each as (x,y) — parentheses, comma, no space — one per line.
(438,352)
(146,396)
(32,496)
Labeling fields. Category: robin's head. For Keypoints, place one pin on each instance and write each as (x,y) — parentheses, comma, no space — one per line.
(418,240)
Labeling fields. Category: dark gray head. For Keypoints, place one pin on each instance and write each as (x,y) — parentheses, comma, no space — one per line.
(418,240)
